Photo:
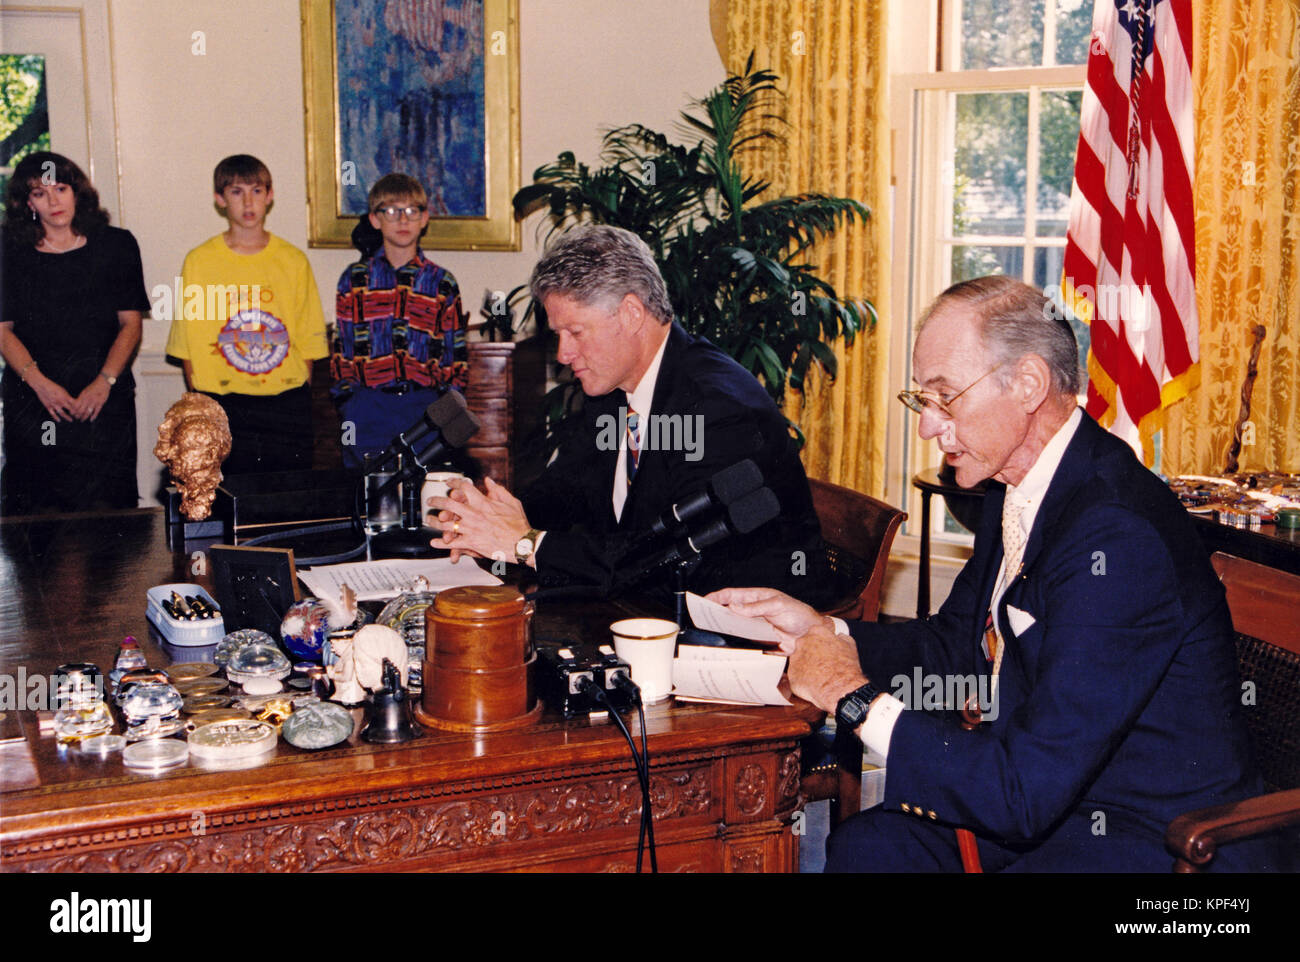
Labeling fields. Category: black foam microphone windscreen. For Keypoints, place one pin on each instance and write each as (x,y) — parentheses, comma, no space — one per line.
(736,481)
(752,511)
(458,431)
(446,409)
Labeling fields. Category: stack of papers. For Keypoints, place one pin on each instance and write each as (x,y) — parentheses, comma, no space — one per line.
(732,676)
(382,580)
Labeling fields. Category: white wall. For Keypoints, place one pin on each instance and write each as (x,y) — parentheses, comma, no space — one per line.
(584,65)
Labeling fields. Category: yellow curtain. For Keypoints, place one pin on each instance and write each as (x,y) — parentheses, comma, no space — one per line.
(1246,69)
(830,56)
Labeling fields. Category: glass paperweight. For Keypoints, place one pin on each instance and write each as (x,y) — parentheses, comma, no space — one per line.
(152,709)
(155,755)
(129,655)
(257,661)
(237,640)
(318,725)
(81,710)
(135,677)
(405,614)
(304,629)
(129,658)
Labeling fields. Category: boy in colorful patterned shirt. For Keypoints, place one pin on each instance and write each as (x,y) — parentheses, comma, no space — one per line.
(249,326)
(400,336)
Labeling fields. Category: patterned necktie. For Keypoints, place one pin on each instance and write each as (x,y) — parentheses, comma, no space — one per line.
(633,445)
(1013,548)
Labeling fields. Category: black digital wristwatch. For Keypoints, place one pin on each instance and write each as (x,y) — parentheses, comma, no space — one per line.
(853,707)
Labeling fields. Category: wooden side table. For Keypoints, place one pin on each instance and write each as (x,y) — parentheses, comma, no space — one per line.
(507,381)
(929,483)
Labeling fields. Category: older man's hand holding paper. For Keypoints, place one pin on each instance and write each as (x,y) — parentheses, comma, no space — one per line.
(822,663)
(790,619)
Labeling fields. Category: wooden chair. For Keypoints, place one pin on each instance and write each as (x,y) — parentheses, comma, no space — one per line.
(857,533)
(1263,602)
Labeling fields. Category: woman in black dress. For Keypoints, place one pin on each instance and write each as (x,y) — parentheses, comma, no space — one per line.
(74,297)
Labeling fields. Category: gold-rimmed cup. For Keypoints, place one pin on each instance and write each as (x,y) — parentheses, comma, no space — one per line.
(648,646)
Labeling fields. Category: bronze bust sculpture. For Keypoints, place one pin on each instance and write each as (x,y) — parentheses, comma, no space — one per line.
(193,440)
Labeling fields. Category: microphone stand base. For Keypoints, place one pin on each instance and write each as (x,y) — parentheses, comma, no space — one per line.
(696,636)
(401,543)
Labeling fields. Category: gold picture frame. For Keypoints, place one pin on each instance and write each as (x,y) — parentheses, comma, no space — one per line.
(329,224)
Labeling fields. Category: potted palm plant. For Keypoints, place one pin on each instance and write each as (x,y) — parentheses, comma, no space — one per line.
(734,259)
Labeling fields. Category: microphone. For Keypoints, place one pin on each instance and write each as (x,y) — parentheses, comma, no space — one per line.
(440,416)
(726,486)
(742,516)
(452,425)
(455,434)
(723,488)
(745,514)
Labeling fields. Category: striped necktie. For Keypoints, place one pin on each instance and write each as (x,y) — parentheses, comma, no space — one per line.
(1013,550)
(633,444)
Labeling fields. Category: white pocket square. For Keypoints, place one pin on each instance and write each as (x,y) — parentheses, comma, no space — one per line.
(1021,621)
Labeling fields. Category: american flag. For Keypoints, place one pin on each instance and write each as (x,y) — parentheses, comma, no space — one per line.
(1130,256)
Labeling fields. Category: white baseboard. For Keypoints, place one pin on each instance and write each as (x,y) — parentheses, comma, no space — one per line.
(158,385)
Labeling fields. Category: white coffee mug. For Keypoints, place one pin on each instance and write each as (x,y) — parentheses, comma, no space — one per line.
(435,486)
(648,646)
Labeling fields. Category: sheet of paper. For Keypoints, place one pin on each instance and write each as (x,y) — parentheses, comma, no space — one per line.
(728,675)
(711,616)
(380,580)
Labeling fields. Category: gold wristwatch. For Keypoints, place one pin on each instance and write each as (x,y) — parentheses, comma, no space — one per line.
(526,545)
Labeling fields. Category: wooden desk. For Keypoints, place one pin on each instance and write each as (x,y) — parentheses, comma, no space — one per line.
(1266,545)
(557,796)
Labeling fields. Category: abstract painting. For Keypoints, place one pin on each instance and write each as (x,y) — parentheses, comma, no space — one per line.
(422,87)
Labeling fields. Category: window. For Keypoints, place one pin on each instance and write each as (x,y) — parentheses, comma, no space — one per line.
(983,165)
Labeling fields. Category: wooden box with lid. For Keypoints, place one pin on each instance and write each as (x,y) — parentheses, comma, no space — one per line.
(479,660)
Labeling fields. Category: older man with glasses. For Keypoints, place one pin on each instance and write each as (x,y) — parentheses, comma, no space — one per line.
(1083,658)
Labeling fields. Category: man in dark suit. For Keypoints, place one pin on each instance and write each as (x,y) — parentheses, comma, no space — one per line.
(664,413)
(1088,628)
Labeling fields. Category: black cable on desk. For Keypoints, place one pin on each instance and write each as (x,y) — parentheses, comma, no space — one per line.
(633,690)
(330,528)
(642,771)
(645,759)
(355,524)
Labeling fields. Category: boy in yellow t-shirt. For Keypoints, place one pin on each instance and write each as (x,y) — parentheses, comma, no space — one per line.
(249,324)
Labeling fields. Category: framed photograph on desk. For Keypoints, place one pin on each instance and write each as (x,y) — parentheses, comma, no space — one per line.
(428,88)
(254,586)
